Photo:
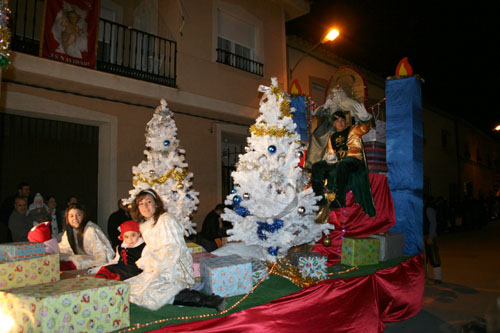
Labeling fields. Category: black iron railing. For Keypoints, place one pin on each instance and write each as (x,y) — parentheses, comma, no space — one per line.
(26,25)
(236,61)
(121,50)
(129,52)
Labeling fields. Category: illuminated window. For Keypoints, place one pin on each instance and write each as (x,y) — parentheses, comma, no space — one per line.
(237,42)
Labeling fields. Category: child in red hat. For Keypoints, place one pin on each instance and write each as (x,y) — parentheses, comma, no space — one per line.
(127,254)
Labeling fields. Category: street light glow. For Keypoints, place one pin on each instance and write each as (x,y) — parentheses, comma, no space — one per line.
(497,128)
(331,35)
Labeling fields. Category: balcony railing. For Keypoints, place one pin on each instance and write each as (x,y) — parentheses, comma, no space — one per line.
(129,52)
(26,25)
(121,50)
(236,61)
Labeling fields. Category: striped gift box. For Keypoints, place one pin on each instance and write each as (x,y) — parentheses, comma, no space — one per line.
(375,156)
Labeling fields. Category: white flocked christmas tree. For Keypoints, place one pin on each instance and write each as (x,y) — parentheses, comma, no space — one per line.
(271,206)
(165,170)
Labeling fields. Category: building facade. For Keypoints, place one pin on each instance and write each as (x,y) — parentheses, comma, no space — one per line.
(205,58)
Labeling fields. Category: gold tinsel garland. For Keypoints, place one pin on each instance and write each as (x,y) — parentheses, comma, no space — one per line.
(285,105)
(179,176)
(285,269)
(261,130)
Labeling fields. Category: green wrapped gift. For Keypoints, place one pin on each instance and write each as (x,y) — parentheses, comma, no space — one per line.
(84,304)
(30,271)
(194,248)
(360,251)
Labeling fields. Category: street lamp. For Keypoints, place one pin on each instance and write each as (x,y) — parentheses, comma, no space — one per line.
(497,128)
(328,37)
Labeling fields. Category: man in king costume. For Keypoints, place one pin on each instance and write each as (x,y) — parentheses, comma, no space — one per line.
(336,154)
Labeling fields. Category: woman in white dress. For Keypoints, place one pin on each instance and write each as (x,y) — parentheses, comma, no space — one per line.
(166,261)
(83,242)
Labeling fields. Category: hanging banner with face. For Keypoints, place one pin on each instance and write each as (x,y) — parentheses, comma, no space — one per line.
(70,31)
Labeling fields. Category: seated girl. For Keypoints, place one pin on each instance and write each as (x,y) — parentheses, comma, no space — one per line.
(166,261)
(83,242)
(127,254)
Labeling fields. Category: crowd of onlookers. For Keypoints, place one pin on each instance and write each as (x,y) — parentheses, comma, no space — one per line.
(466,214)
(22,211)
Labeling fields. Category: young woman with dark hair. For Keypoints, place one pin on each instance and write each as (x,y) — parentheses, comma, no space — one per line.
(166,261)
(83,242)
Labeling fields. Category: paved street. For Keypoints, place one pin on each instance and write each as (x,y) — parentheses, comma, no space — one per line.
(470,288)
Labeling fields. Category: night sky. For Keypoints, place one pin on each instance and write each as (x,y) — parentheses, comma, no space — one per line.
(449,44)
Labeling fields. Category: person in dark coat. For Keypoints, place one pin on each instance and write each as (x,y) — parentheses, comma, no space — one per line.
(7,207)
(430,239)
(211,229)
(114,221)
(19,223)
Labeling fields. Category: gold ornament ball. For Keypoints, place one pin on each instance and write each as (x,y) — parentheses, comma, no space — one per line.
(180,186)
(327,241)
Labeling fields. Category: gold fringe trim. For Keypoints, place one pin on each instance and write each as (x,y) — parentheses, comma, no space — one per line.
(179,176)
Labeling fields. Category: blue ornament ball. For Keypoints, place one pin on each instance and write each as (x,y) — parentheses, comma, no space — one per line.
(166,143)
(241,211)
(233,191)
(236,199)
(273,251)
(271,149)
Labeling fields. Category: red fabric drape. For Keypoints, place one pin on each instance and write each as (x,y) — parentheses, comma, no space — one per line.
(359,304)
(67,266)
(351,221)
(400,290)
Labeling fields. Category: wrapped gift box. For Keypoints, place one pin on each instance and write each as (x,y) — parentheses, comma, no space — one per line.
(196,262)
(375,153)
(21,250)
(226,276)
(392,245)
(84,304)
(360,251)
(294,256)
(313,266)
(14,274)
(195,248)
(259,270)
